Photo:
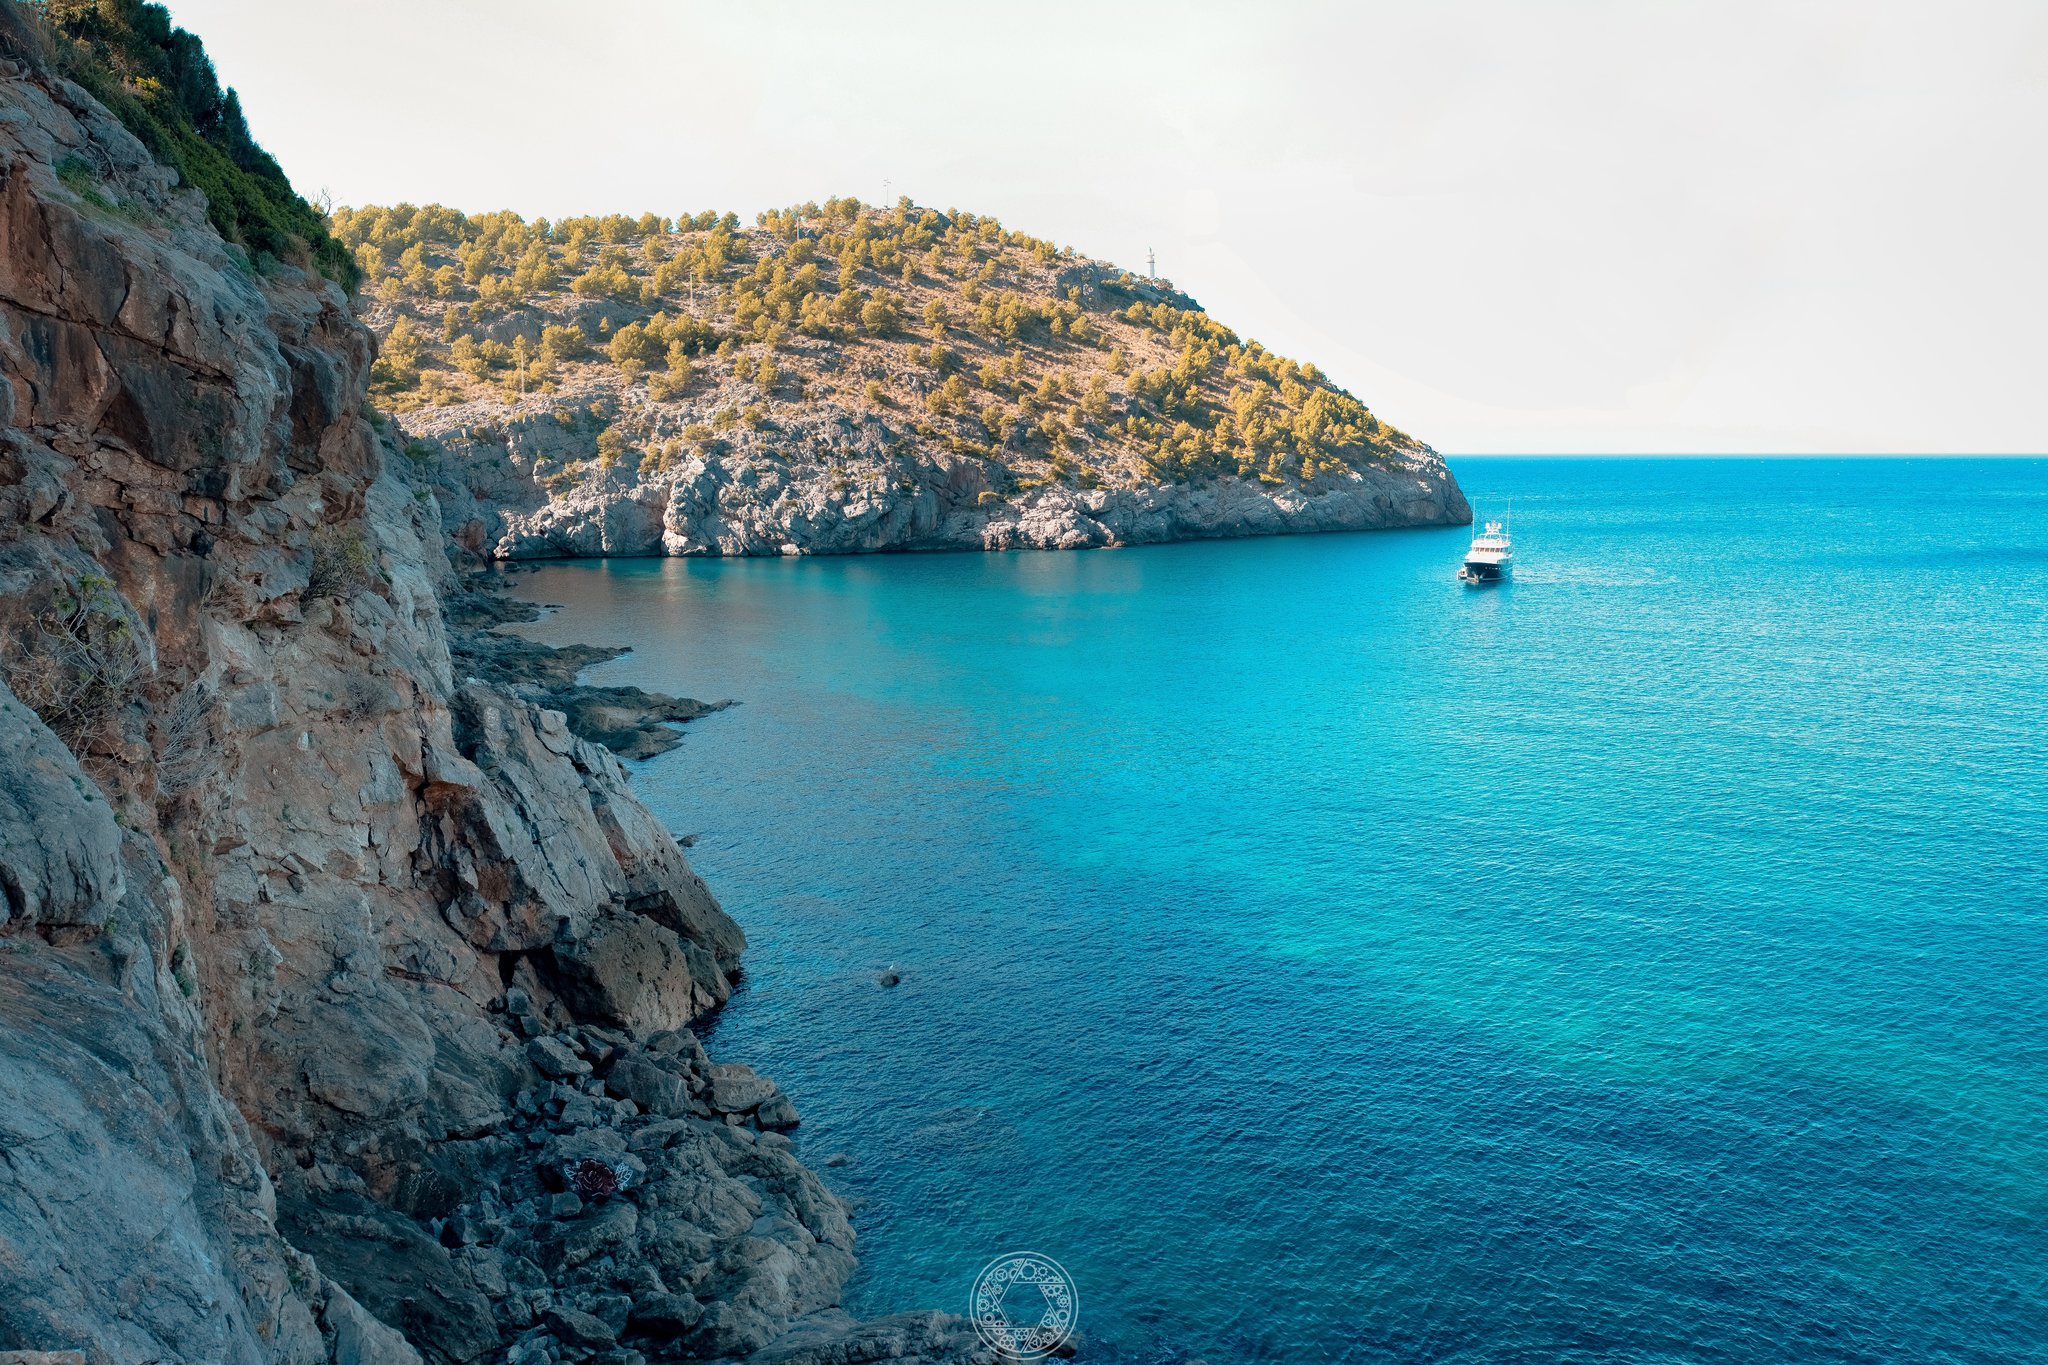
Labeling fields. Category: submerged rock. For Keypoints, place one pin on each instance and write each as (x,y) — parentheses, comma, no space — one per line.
(632,723)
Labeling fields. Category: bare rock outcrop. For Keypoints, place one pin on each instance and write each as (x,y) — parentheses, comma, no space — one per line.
(834,484)
(342,996)
(60,850)
(135,1214)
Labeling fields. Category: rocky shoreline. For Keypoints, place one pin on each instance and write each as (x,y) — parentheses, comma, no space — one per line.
(346,989)
(627,1167)
(630,721)
(850,485)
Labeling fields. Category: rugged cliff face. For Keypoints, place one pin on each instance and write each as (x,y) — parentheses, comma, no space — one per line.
(831,481)
(344,1000)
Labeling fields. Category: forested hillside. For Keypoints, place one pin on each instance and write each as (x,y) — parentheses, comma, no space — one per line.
(963,335)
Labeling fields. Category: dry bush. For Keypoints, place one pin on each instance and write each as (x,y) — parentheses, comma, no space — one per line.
(184,736)
(343,564)
(82,662)
(364,697)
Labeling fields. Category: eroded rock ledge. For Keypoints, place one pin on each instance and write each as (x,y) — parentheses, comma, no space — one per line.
(836,484)
(345,993)
(630,721)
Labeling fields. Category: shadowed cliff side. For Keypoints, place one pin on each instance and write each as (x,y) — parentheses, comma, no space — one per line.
(344,1000)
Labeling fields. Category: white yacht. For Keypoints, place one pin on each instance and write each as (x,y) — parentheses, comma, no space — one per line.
(1491,556)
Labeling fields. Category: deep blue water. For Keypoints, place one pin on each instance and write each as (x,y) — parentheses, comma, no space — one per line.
(1646,960)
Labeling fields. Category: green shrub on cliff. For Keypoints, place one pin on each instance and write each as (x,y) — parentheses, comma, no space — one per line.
(158,80)
(398,359)
(342,563)
(558,344)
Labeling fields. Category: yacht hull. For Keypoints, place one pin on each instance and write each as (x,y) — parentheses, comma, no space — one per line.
(1482,575)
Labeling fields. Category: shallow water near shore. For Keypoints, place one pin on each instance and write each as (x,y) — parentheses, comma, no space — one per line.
(1643,960)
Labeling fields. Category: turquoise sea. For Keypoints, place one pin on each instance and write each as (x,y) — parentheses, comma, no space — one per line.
(1646,960)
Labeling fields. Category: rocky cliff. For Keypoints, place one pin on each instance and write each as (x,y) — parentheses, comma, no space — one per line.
(843,482)
(345,998)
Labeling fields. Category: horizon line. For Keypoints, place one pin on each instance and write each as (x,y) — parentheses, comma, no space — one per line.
(1742,455)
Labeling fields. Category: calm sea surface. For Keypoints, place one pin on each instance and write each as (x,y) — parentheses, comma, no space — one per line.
(1643,961)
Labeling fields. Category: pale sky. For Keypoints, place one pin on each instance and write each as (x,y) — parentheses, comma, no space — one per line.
(1548,227)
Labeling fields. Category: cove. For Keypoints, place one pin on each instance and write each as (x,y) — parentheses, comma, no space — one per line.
(1642,959)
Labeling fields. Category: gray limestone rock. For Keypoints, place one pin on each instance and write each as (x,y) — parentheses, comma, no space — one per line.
(134,1212)
(356,1338)
(656,1091)
(628,970)
(60,850)
(825,485)
(665,1315)
(348,886)
(555,1059)
(580,1329)
(833,1338)
(777,1111)
(735,1089)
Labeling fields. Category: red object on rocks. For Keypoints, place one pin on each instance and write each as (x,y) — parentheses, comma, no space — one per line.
(594,1179)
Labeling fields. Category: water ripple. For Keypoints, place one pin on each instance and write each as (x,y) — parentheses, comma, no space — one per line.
(1643,961)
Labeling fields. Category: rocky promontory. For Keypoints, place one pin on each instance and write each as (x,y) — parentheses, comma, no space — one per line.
(630,721)
(844,378)
(346,990)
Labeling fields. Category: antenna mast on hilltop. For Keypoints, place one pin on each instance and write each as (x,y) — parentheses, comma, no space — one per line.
(1151,265)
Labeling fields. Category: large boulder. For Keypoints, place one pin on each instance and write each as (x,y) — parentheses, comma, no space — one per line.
(544,838)
(356,1338)
(627,970)
(60,849)
(389,1265)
